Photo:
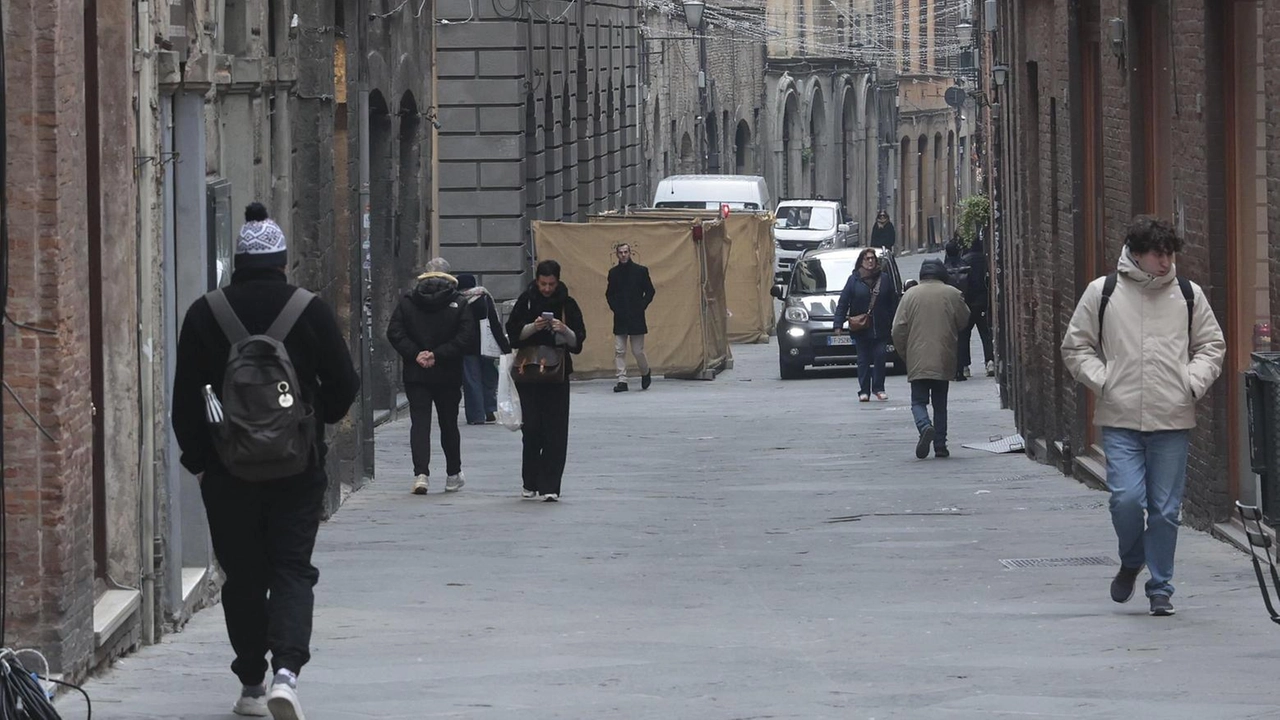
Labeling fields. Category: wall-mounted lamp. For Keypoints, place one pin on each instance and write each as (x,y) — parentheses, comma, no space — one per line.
(964,33)
(693,13)
(999,74)
(1116,29)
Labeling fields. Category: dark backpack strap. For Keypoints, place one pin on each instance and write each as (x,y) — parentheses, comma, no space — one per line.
(1188,294)
(1108,287)
(288,317)
(226,317)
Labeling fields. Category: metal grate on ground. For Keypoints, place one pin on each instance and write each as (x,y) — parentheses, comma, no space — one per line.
(1023,563)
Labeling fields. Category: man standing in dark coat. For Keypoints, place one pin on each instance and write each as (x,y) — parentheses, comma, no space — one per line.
(629,293)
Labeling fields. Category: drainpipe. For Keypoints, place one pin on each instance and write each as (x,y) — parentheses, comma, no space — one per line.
(145,63)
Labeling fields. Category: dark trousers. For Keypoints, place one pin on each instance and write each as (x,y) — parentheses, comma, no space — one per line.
(263,534)
(546,434)
(446,398)
(871,355)
(978,319)
(480,386)
(922,392)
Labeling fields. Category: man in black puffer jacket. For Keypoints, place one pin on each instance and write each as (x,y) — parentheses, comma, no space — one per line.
(433,331)
(263,532)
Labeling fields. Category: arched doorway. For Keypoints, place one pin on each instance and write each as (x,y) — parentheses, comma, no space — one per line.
(410,250)
(848,150)
(791,142)
(688,163)
(742,148)
(382,283)
(922,146)
(819,144)
(713,145)
(906,191)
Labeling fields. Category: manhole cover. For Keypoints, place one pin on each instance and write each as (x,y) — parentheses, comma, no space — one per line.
(1018,563)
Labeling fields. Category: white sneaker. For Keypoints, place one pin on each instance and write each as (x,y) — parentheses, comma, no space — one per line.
(551,497)
(991,368)
(454,483)
(420,484)
(252,705)
(283,701)
(966,371)
(528,495)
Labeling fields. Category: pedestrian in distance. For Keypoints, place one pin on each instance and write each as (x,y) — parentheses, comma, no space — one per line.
(546,329)
(433,329)
(925,329)
(977,295)
(1146,343)
(258,451)
(883,234)
(479,367)
(629,292)
(869,301)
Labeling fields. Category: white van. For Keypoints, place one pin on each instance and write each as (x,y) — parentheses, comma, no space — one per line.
(708,192)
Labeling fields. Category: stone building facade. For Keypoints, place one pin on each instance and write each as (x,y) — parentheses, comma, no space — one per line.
(676,140)
(1113,108)
(539,115)
(128,169)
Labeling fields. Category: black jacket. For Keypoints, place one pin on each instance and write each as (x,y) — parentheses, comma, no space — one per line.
(629,293)
(977,294)
(883,237)
(433,316)
(855,299)
(531,304)
(316,346)
(482,307)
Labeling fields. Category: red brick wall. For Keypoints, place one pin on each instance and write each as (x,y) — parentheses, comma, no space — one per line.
(48,484)
(1043,202)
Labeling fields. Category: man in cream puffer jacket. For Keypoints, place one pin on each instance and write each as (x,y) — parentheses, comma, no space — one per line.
(1148,363)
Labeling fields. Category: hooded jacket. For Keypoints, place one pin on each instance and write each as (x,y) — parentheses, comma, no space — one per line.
(928,324)
(629,293)
(316,347)
(433,316)
(855,299)
(1146,369)
(531,304)
(483,307)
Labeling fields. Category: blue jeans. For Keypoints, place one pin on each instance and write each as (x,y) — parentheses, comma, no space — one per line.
(922,391)
(1147,472)
(479,387)
(871,354)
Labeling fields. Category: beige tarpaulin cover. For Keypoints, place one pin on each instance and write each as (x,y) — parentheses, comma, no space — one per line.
(750,273)
(688,276)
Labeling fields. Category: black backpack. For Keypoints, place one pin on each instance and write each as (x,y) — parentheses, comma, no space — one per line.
(1109,286)
(266,431)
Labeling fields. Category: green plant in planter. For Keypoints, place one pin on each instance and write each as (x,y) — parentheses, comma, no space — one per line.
(806,154)
(975,213)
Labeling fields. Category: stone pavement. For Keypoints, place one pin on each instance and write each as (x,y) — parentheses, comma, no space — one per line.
(742,548)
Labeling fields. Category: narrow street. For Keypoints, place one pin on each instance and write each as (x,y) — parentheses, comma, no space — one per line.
(731,549)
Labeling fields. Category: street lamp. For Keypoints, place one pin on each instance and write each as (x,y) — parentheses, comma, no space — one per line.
(693,13)
(999,74)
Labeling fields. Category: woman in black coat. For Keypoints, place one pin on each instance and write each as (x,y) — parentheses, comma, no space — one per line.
(545,316)
(882,232)
(868,284)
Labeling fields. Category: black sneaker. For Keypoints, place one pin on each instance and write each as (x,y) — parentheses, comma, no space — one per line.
(620,387)
(646,380)
(941,451)
(922,445)
(960,377)
(1124,583)
(490,418)
(1160,606)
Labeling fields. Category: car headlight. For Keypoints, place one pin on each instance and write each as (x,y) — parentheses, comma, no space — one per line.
(796,332)
(797,314)
(828,243)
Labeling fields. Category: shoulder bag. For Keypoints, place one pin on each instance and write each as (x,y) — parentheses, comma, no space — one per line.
(858,323)
(539,364)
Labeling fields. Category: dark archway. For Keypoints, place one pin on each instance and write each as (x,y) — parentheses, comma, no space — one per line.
(413,243)
(848,146)
(688,163)
(568,166)
(819,144)
(713,143)
(742,149)
(922,146)
(906,187)
(791,150)
(551,182)
(383,282)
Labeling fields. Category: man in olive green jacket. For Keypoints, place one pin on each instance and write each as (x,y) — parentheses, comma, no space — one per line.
(925,331)
(1156,354)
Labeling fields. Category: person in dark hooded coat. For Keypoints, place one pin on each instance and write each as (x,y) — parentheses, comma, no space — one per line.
(433,330)
(545,315)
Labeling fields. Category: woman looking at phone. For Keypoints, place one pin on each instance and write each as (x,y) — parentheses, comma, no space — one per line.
(545,328)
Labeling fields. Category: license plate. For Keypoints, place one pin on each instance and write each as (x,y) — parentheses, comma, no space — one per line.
(840,340)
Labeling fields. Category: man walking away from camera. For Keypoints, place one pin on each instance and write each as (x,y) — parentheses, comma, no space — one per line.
(433,329)
(1147,344)
(479,367)
(925,330)
(629,293)
(263,531)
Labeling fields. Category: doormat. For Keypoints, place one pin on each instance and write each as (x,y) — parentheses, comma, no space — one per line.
(1001,445)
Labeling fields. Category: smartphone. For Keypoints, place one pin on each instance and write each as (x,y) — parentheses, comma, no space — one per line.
(548,316)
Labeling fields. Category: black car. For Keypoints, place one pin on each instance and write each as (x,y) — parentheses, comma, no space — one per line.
(805,331)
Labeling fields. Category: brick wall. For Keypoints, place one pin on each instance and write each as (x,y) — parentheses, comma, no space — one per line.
(1043,191)
(48,484)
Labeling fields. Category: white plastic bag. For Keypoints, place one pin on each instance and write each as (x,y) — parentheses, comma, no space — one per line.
(488,344)
(508,414)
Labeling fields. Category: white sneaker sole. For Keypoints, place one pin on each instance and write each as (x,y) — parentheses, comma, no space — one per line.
(251,707)
(284,705)
(455,487)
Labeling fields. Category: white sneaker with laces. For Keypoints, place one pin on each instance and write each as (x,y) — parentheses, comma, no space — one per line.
(454,483)
(252,702)
(283,700)
(528,495)
(420,484)
(551,497)
(991,368)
